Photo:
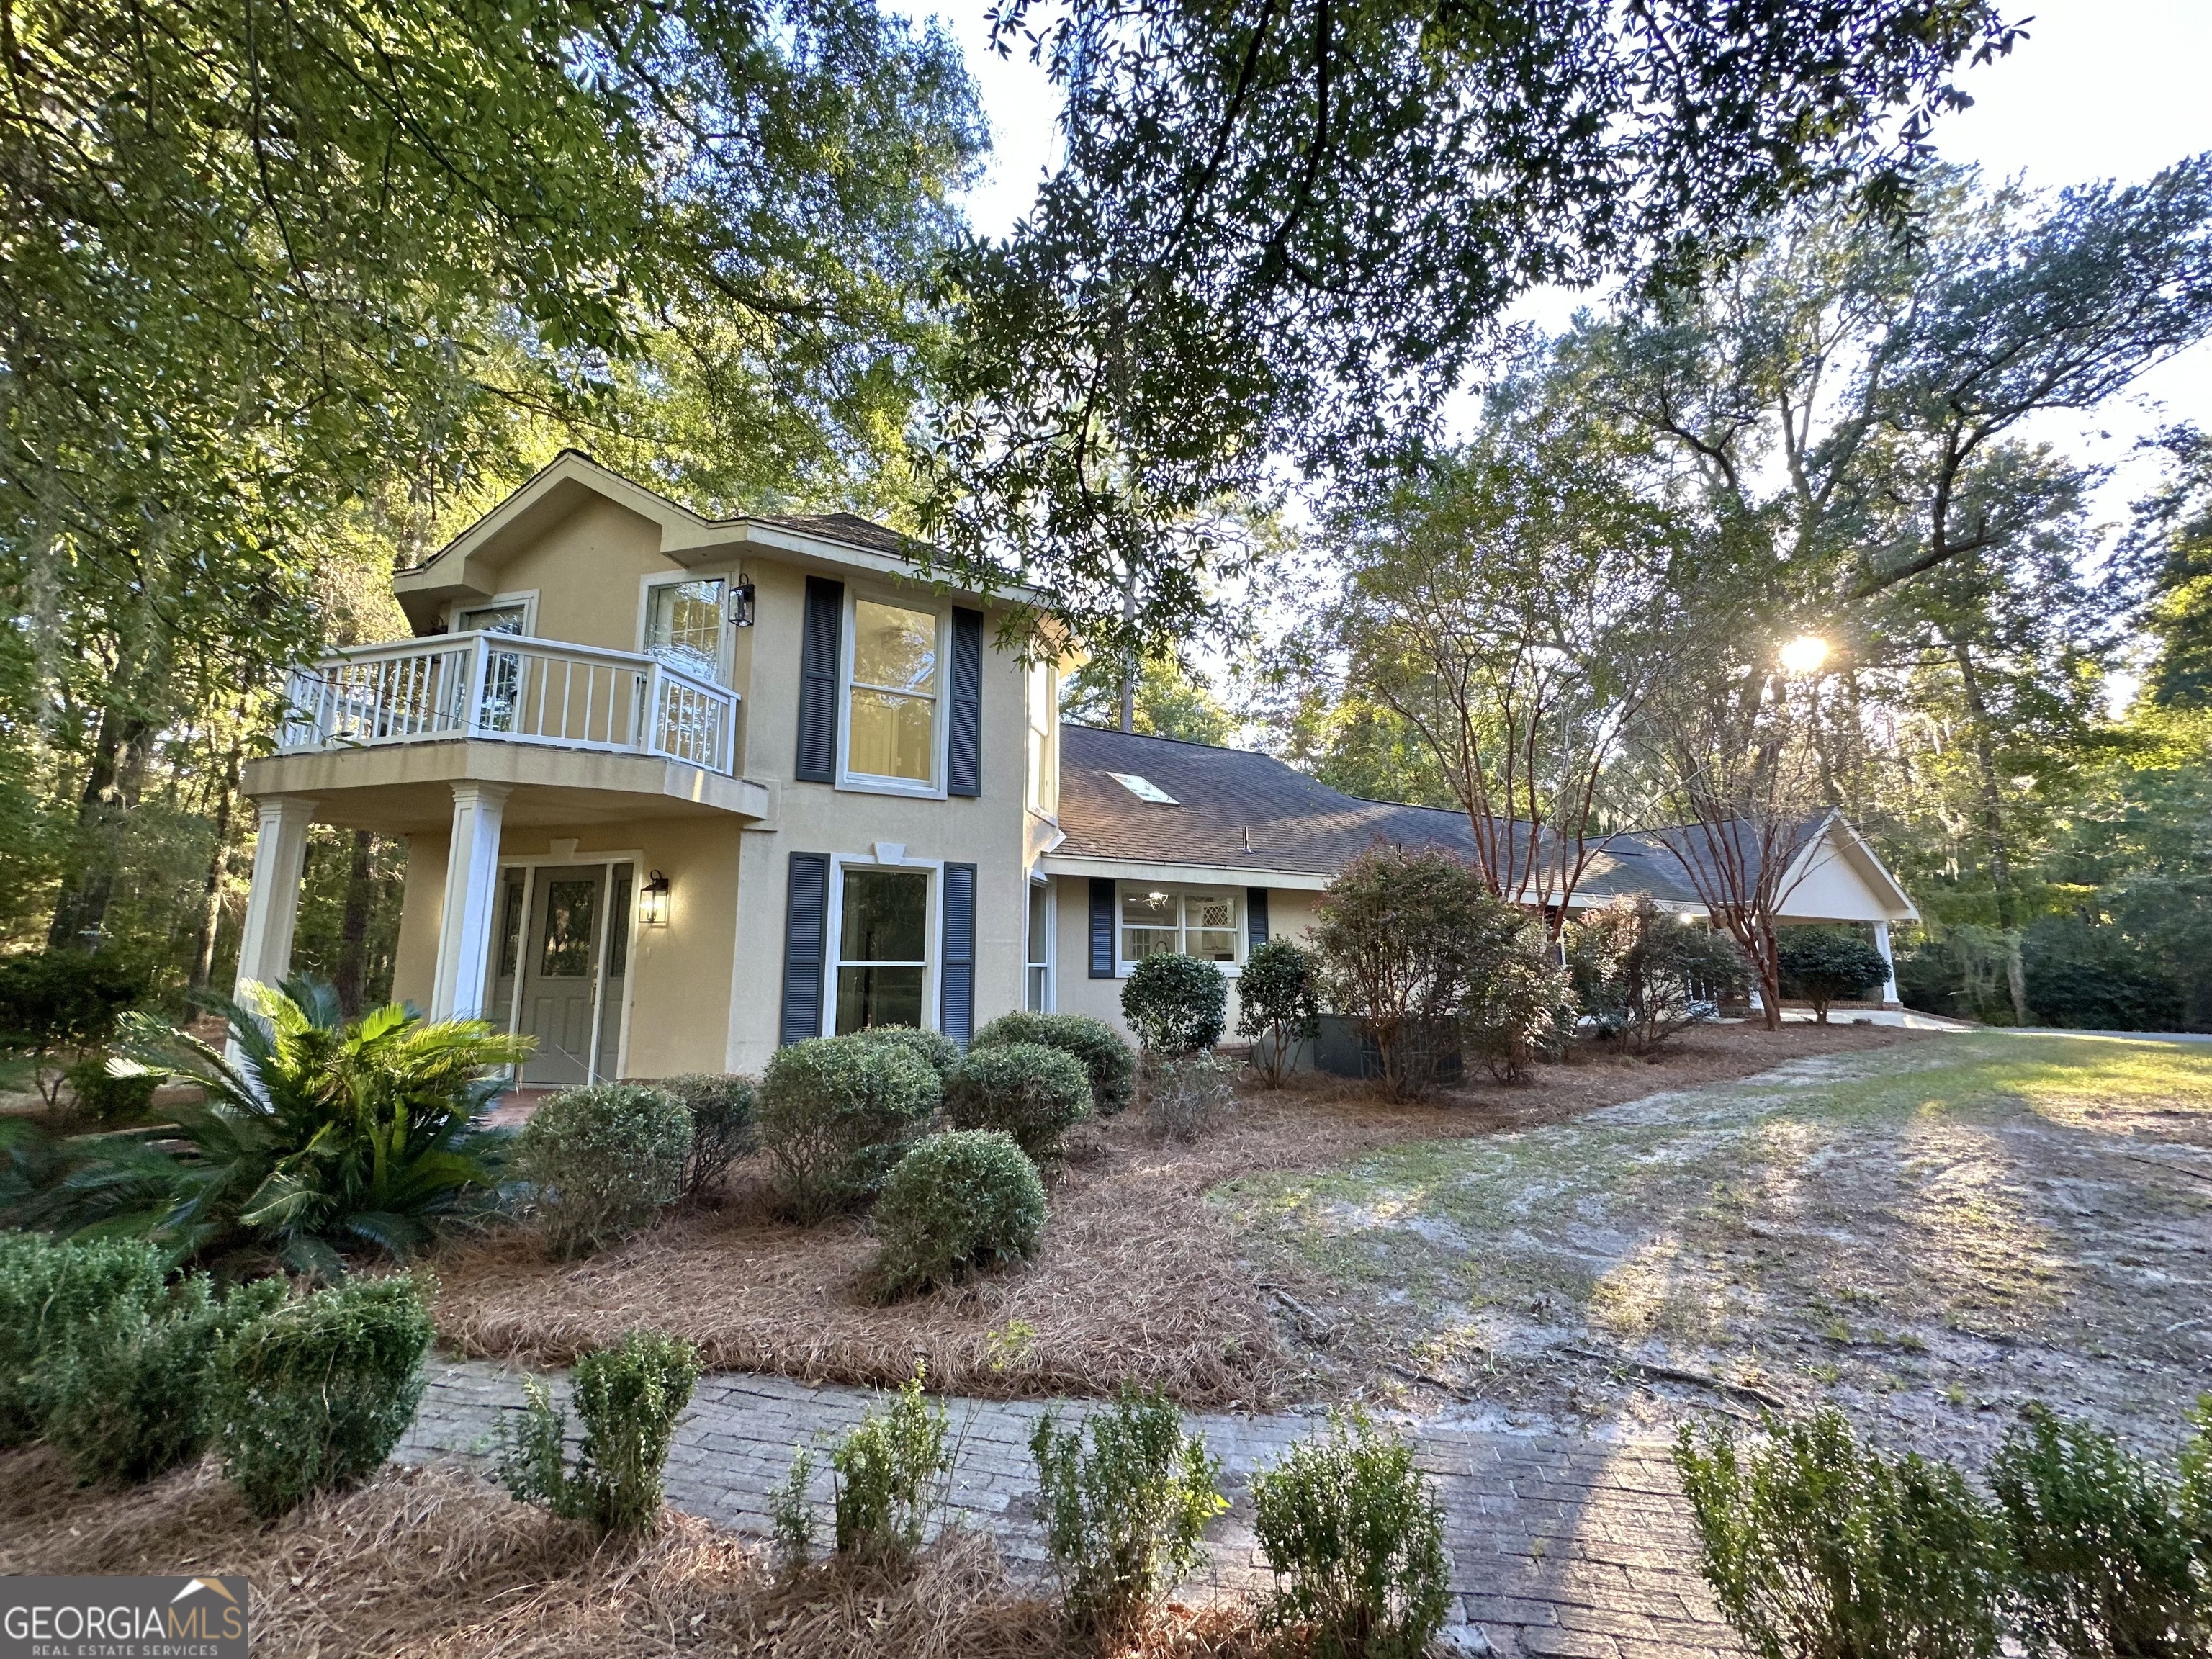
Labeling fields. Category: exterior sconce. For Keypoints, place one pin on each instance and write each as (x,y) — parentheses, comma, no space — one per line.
(741,604)
(653,901)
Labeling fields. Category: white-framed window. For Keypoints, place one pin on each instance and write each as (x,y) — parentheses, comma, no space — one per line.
(503,613)
(1042,697)
(684,624)
(1037,973)
(892,721)
(883,931)
(1206,923)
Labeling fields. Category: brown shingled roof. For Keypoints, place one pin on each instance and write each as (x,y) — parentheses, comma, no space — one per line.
(1294,822)
(849,528)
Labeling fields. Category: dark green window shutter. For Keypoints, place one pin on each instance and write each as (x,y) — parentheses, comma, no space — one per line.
(1102,927)
(819,647)
(806,945)
(964,769)
(1255,917)
(957,1016)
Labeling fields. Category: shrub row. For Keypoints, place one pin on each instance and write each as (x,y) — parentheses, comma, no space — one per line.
(1349,1527)
(1815,1544)
(127,1377)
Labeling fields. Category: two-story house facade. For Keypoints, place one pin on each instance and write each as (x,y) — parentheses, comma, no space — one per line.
(676,791)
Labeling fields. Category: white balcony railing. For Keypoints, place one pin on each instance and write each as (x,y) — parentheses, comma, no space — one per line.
(511,689)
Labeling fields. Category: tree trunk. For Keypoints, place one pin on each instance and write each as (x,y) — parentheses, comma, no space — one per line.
(1993,833)
(353,928)
(1766,956)
(111,783)
(218,864)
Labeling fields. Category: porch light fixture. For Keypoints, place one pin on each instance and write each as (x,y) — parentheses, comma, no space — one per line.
(653,901)
(741,604)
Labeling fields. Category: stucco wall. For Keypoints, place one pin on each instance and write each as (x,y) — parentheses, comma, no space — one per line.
(987,831)
(1289,915)
(587,570)
(414,959)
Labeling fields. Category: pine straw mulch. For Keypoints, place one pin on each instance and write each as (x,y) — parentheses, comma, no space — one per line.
(1139,1280)
(435,1563)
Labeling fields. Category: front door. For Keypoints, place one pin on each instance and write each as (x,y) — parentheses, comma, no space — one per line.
(559,970)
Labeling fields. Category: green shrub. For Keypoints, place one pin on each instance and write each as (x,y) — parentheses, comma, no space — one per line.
(933,1049)
(888,1474)
(1175,1004)
(125,1400)
(1183,1096)
(2105,1558)
(791,1513)
(1642,974)
(333,1134)
(1815,1545)
(99,1094)
(1826,965)
(51,1293)
(1356,1541)
(720,1106)
(2197,1476)
(1519,1007)
(1034,1093)
(956,1204)
(835,1113)
(630,1398)
(316,1394)
(1105,1055)
(603,1162)
(1123,1520)
(57,1006)
(1278,1005)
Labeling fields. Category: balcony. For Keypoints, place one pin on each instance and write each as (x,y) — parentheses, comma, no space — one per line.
(505,688)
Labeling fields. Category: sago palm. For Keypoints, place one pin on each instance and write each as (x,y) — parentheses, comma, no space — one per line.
(326,1134)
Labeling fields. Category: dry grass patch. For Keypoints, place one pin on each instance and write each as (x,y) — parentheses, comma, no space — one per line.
(434,1564)
(1138,1280)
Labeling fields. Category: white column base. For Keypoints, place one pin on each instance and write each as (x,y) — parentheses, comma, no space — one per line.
(464,930)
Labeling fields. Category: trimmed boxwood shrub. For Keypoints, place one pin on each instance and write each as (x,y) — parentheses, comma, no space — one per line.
(954,1204)
(52,1292)
(1032,1093)
(124,1398)
(834,1114)
(721,1107)
(629,1397)
(1106,1056)
(317,1394)
(603,1162)
(1278,1004)
(1356,1541)
(933,1049)
(1175,1004)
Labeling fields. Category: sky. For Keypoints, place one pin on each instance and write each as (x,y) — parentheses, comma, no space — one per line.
(2099,89)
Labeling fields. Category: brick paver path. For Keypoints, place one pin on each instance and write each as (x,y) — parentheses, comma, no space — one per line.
(1559,1545)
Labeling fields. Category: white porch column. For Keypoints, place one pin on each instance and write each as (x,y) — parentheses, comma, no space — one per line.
(272,904)
(1889,996)
(471,883)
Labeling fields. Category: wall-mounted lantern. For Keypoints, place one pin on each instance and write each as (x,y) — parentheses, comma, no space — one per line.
(741,604)
(653,901)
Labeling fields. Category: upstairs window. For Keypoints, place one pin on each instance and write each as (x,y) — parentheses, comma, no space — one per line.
(495,619)
(683,626)
(1044,694)
(1190,922)
(890,715)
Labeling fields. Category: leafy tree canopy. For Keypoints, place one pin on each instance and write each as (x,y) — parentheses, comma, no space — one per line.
(1285,231)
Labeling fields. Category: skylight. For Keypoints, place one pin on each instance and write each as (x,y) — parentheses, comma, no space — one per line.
(1144,788)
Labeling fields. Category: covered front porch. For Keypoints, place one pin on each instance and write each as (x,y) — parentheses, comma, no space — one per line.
(549,891)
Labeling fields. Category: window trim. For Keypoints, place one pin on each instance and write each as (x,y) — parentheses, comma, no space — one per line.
(833,947)
(526,598)
(1042,891)
(725,647)
(940,714)
(1125,965)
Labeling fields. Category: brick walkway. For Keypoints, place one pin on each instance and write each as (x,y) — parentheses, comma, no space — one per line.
(1559,1545)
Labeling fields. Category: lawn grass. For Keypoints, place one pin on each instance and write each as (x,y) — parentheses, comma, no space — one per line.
(1874,1223)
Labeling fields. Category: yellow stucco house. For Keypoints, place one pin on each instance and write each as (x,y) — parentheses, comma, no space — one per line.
(676,791)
